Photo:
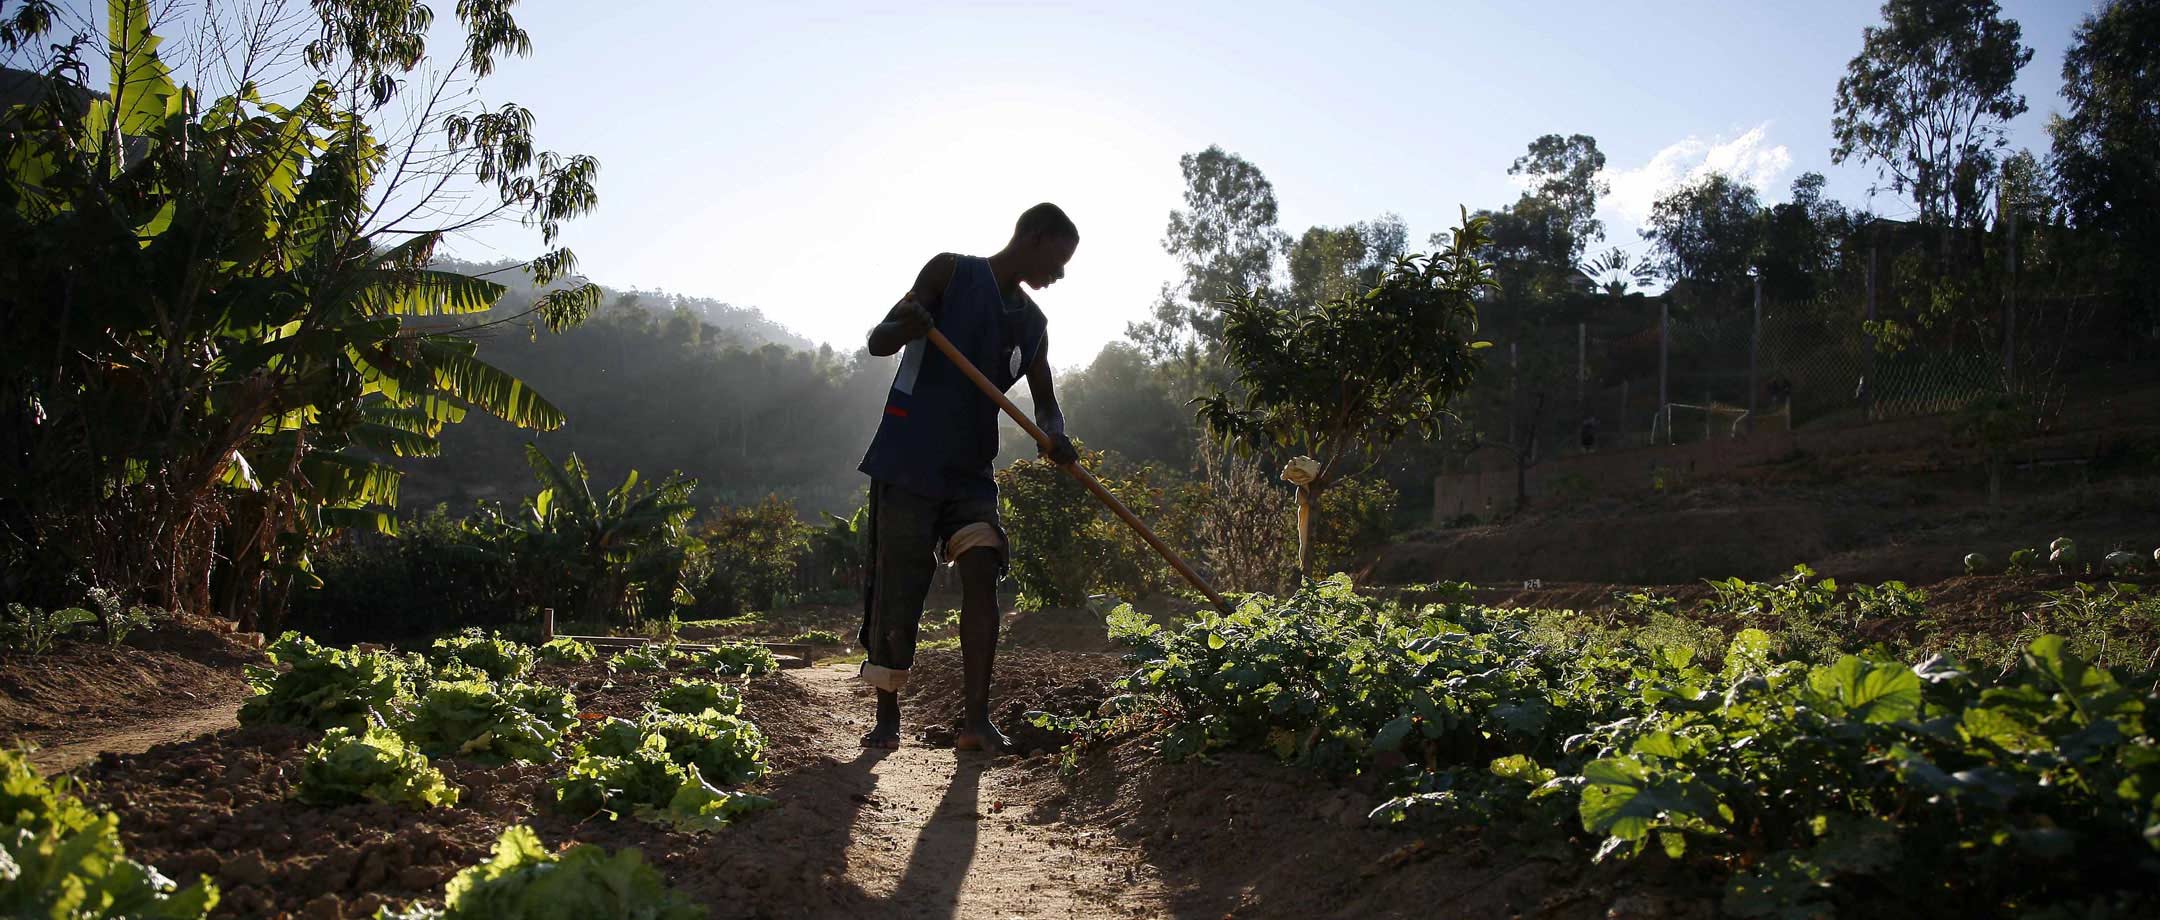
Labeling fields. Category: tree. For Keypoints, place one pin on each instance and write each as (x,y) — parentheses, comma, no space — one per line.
(1563,171)
(749,556)
(1708,233)
(220,318)
(1120,386)
(1226,241)
(1341,381)
(1331,262)
(2106,147)
(1535,244)
(1800,241)
(1925,101)
(1615,272)
(593,554)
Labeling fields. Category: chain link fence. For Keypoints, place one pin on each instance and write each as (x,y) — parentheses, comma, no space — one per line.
(1650,374)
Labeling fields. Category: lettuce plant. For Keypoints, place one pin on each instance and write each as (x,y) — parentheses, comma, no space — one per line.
(693,696)
(469,718)
(324,687)
(374,766)
(59,858)
(736,659)
(523,881)
(500,658)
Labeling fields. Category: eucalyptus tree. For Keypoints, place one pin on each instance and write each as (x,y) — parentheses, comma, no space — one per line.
(2106,146)
(1226,242)
(1926,99)
(218,315)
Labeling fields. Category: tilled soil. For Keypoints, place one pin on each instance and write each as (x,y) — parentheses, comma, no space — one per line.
(1026,680)
(1112,831)
(917,832)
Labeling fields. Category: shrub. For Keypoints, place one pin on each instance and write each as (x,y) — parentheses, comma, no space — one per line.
(747,558)
(433,572)
(59,858)
(374,766)
(1356,516)
(1065,545)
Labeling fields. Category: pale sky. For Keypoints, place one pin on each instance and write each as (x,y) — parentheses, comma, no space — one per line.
(806,157)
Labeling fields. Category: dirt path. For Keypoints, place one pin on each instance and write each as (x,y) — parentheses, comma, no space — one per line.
(940,834)
(138,737)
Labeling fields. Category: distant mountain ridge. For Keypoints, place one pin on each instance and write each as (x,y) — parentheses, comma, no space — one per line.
(750,325)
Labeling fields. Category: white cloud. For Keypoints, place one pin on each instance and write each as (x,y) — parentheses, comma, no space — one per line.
(1748,158)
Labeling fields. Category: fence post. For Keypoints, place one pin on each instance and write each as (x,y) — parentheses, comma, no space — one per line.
(1754,352)
(547,623)
(1664,397)
(1514,405)
(1868,381)
(1582,365)
(2009,355)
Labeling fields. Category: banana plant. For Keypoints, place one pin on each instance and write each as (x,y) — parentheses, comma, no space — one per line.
(1615,272)
(206,359)
(597,554)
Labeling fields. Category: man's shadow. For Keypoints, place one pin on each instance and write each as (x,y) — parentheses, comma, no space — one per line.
(945,849)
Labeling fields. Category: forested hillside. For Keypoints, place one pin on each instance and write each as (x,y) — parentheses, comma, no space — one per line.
(662,383)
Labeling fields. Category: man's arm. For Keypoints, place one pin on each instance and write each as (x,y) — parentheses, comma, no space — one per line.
(1047,415)
(915,315)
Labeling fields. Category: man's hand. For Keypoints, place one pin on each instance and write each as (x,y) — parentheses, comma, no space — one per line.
(911,320)
(907,321)
(1060,451)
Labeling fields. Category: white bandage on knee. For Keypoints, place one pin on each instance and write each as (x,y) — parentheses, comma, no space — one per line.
(978,535)
(890,680)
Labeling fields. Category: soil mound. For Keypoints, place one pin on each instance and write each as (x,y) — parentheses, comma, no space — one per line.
(183,675)
(1027,680)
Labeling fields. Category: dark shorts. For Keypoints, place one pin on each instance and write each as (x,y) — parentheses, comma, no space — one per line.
(908,534)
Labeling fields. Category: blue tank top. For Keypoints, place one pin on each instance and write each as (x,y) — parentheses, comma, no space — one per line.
(939,435)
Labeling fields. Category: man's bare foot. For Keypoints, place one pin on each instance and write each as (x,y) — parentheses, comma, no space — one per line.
(886,736)
(982,736)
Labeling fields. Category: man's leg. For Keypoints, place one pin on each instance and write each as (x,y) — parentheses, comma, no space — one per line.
(904,561)
(978,648)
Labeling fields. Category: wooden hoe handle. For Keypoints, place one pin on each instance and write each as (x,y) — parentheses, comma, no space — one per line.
(1116,507)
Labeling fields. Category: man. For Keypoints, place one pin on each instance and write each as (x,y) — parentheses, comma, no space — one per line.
(932,498)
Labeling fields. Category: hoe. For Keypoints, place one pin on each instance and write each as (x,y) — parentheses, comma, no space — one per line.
(1096,488)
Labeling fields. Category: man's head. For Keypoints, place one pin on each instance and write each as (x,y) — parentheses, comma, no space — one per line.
(1043,241)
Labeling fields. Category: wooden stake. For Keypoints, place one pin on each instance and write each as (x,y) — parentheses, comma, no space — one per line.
(1073,469)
